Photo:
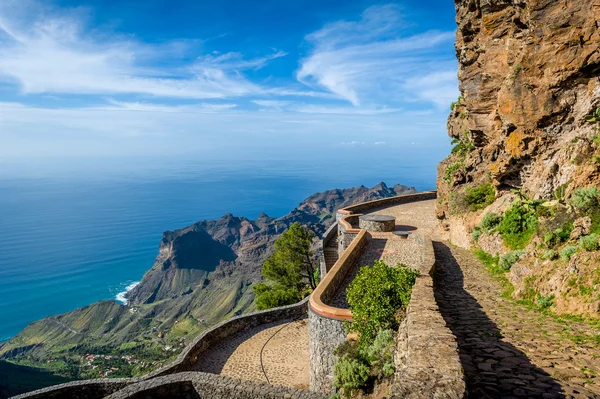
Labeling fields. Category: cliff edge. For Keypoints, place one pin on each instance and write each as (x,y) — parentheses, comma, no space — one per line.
(524,131)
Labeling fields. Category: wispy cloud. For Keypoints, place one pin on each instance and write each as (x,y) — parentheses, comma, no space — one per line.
(46,51)
(369,61)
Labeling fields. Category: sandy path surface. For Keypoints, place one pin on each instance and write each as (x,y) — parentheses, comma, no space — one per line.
(285,356)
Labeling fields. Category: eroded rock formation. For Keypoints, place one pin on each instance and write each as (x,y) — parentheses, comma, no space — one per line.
(529,73)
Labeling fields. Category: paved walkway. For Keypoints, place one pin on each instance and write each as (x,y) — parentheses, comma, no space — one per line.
(284,348)
(416,217)
(507,350)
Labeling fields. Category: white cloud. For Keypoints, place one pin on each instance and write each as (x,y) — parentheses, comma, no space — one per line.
(150,107)
(368,62)
(45,51)
(272,105)
(327,109)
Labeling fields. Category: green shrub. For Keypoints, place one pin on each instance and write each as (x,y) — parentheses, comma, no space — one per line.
(462,147)
(560,193)
(590,243)
(375,295)
(350,374)
(544,302)
(476,234)
(481,196)
(549,254)
(567,252)
(518,226)
(509,259)
(452,168)
(585,198)
(558,236)
(490,221)
(268,296)
(381,354)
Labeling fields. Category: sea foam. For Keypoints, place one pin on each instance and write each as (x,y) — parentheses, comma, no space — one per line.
(121,295)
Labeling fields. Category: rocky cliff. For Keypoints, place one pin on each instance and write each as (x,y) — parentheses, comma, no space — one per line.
(202,275)
(529,73)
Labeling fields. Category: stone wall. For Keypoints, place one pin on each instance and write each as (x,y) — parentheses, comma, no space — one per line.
(86,389)
(208,386)
(186,360)
(326,323)
(325,335)
(330,235)
(427,360)
(387,202)
(347,231)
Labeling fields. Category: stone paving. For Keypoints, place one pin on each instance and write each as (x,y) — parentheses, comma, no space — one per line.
(508,350)
(285,355)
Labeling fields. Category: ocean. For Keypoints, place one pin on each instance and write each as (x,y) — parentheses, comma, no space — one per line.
(72,235)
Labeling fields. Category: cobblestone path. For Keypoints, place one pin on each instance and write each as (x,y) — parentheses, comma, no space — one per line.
(507,350)
(285,356)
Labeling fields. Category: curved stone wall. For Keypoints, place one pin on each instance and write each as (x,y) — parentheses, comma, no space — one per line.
(208,386)
(330,235)
(386,202)
(427,360)
(99,388)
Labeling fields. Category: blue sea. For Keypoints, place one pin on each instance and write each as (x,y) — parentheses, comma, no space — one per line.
(77,231)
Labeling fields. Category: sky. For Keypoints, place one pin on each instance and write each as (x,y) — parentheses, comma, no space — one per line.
(232,78)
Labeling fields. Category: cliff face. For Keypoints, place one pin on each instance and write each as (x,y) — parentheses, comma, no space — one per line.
(529,75)
(203,274)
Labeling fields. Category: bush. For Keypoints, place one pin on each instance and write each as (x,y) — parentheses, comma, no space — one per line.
(481,196)
(452,168)
(381,354)
(350,374)
(518,226)
(567,252)
(585,198)
(375,295)
(560,235)
(490,221)
(509,259)
(590,243)
(462,147)
(549,254)
(268,296)
(544,302)
(476,234)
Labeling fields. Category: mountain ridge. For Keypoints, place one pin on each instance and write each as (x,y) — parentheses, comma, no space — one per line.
(182,294)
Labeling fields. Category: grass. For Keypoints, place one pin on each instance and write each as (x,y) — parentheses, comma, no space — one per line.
(536,302)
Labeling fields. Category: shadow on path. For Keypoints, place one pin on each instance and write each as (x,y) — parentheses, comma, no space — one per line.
(494,368)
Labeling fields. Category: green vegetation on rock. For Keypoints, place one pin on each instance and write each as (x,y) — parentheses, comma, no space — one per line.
(359,366)
(585,198)
(481,196)
(567,252)
(509,259)
(518,226)
(590,242)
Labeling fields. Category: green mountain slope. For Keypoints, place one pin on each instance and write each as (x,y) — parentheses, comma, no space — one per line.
(202,275)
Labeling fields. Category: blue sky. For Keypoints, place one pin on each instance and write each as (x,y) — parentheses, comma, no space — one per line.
(124,78)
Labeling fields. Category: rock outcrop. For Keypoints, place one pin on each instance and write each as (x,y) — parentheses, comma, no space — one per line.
(529,75)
